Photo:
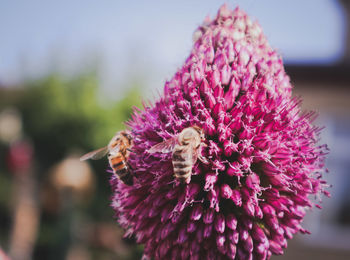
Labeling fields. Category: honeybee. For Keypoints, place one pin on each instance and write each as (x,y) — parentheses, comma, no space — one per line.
(186,148)
(118,151)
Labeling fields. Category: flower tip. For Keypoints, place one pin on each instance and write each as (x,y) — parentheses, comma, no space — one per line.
(224,11)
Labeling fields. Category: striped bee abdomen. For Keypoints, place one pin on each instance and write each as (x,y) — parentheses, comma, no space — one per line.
(120,168)
(125,176)
(117,162)
(182,163)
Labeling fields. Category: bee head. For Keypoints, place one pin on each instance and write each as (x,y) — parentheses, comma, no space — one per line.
(200,132)
(191,133)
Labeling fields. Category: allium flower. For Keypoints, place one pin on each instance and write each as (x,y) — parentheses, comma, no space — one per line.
(264,160)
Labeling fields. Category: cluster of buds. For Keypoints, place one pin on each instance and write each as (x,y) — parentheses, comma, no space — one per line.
(263,156)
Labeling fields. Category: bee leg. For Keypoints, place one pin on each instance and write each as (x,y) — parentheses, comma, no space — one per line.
(203,159)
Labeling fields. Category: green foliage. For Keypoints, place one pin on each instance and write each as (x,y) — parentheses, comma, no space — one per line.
(62,115)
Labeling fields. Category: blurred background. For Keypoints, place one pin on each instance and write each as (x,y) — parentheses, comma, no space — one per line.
(70,73)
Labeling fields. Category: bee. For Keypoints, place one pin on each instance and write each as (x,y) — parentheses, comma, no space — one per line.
(186,148)
(118,151)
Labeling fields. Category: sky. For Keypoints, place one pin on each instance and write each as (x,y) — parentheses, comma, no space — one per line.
(149,39)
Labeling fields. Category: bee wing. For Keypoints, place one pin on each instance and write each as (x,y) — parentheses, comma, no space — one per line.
(166,146)
(202,159)
(95,155)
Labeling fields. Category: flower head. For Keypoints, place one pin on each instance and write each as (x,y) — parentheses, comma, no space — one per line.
(263,157)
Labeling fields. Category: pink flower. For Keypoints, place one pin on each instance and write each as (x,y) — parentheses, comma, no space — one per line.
(264,160)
